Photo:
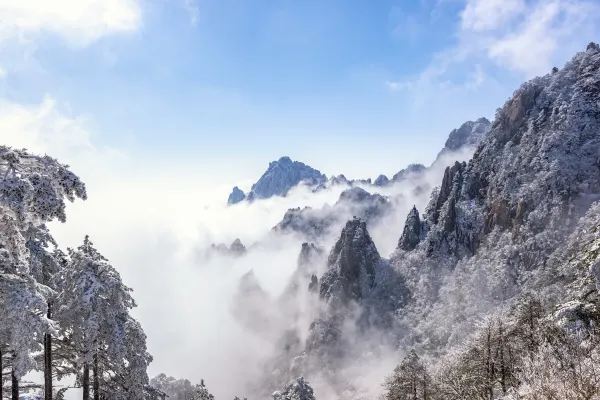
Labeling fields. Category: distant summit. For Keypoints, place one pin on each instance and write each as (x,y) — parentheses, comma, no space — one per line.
(278,179)
(468,135)
(236,196)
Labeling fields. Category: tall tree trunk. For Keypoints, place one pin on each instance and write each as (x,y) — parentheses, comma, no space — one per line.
(1,375)
(48,361)
(96,379)
(86,381)
(15,386)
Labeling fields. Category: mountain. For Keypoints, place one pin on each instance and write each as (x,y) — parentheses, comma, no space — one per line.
(468,135)
(236,196)
(412,169)
(236,249)
(315,224)
(278,179)
(504,255)
(496,227)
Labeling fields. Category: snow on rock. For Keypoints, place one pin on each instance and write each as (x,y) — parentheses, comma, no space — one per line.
(298,389)
(351,265)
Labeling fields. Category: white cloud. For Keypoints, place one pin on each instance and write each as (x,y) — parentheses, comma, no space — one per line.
(549,27)
(481,15)
(79,22)
(518,39)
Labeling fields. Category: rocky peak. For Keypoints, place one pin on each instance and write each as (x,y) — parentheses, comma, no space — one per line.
(237,248)
(469,134)
(411,235)
(451,184)
(284,174)
(351,265)
(308,254)
(340,180)
(535,170)
(236,196)
(406,172)
(381,180)
(365,205)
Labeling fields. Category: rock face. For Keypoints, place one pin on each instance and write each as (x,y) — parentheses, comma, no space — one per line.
(236,196)
(351,265)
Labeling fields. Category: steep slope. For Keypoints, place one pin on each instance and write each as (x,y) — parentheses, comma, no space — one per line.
(496,226)
(509,222)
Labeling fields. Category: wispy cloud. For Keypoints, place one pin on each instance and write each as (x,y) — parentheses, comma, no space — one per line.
(78,22)
(515,37)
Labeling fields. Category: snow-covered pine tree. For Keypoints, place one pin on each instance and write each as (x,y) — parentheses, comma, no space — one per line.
(92,308)
(33,190)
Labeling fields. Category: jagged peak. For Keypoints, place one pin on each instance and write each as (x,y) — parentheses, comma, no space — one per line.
(411,235)
(351,265)
(237,195)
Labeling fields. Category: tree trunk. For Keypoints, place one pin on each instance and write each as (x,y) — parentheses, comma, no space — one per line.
(86,381)
(48,361)
(1,375)
(96,379)
(15,386)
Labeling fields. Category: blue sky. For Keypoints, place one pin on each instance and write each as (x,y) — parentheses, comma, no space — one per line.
(355,86)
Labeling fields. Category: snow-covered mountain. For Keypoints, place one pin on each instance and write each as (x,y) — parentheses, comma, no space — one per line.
(278,179)
(518,225)
(284,174)
(315,224)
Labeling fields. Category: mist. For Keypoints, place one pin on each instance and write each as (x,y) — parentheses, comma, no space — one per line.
(153,222)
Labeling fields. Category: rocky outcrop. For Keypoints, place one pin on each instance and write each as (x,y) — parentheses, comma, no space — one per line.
(310,223)
(412,169)
(236,249)
(315,224)
(411,235)
(468,135)
(281,176)
(284,174)
(351,265)
(236,196)
(381,180)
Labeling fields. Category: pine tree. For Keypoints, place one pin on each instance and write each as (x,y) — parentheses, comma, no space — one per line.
(90,308)
(33,190)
